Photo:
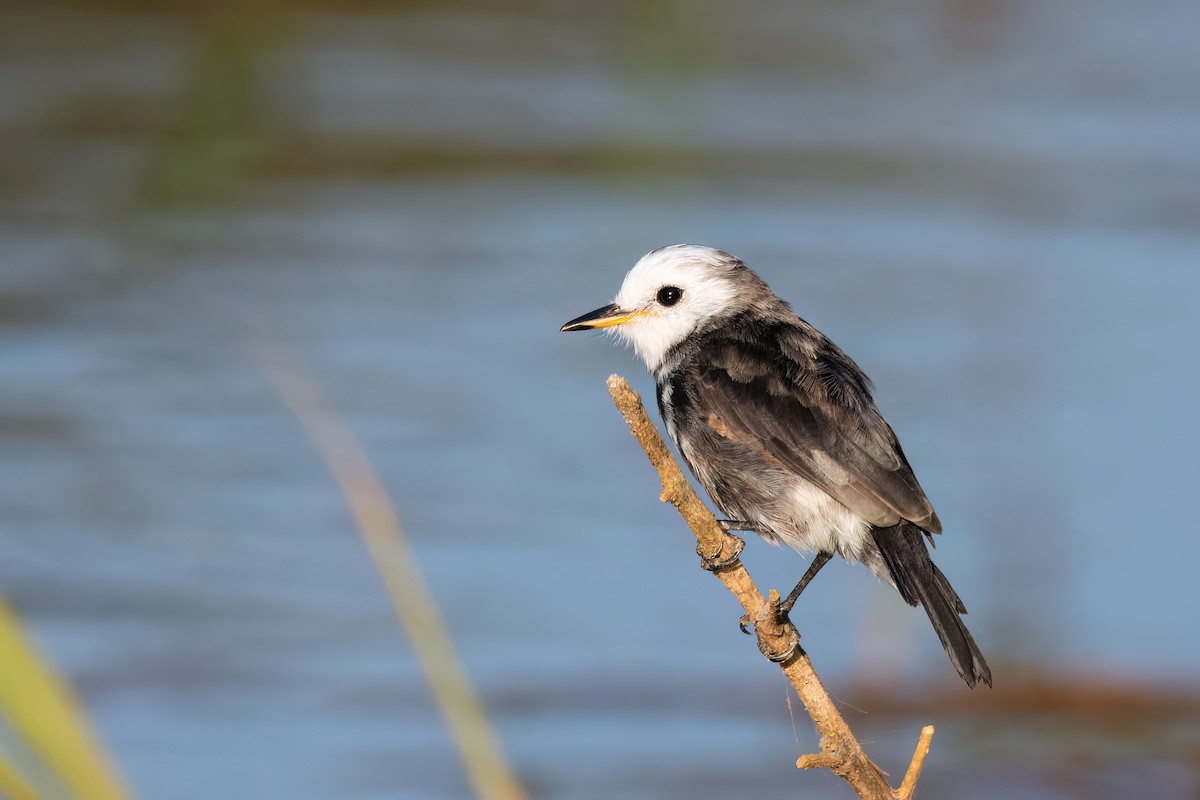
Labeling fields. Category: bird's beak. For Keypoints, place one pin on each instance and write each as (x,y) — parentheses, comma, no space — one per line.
(600,318)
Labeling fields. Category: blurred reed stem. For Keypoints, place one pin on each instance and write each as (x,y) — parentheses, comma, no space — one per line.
(377,522)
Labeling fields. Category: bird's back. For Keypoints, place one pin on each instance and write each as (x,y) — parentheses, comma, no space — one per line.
(779,427)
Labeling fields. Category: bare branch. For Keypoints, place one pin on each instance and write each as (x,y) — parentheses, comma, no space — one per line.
(909,784)
(777,637)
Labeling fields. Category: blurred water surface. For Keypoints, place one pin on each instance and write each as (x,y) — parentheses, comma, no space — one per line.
(991,205)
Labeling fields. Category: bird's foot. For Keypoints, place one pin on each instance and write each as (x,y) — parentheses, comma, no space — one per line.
(782,654)
(726,556)
(780,614)
(778,639)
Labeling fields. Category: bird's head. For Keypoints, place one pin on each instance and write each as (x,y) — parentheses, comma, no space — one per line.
(670,294)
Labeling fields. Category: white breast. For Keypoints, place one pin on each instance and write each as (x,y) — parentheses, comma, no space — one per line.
(814,522)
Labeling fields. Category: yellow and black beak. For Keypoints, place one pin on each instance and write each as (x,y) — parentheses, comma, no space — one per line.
(600,318)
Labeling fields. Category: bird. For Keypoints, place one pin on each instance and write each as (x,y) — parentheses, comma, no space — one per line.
(780,428)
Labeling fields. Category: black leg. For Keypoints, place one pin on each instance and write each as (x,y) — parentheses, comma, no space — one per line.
(819,560)
(731,525)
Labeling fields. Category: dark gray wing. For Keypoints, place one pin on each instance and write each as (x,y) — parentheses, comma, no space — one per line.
(808,407)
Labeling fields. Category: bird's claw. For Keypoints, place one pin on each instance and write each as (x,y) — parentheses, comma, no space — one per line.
(727,555)
(745,624)
(778,657)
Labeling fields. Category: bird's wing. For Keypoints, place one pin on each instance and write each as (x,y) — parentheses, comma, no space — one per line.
(812,413)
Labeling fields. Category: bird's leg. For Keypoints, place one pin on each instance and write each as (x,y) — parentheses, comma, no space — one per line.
(730,525)
(785,608)
(819,560)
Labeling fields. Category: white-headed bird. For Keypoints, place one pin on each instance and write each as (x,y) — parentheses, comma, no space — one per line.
(780,428)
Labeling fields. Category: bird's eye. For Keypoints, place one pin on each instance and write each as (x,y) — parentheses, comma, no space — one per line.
(669,295)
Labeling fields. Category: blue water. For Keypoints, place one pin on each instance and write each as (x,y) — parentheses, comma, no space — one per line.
(991,207)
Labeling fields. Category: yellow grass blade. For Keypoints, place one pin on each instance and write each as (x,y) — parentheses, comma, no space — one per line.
(11,785)
(43,711)
(489,773)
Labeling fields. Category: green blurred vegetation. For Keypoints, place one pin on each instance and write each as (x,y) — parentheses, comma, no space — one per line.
(218,129)
(53,752)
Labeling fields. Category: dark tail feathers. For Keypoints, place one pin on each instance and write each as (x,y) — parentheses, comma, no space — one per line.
(920,581)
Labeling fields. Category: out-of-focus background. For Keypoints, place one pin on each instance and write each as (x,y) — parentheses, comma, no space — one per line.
(993,205)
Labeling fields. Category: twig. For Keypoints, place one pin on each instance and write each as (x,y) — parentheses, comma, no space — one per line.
(777,638)
(909,784)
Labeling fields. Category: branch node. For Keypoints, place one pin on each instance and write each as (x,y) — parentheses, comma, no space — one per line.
(818,761)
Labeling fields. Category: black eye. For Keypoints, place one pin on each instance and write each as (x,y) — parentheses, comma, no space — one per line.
(669,295)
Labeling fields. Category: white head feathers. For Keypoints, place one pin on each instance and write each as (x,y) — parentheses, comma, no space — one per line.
(673,290)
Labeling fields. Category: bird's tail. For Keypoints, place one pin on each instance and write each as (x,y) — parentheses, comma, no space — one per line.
(920,581)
